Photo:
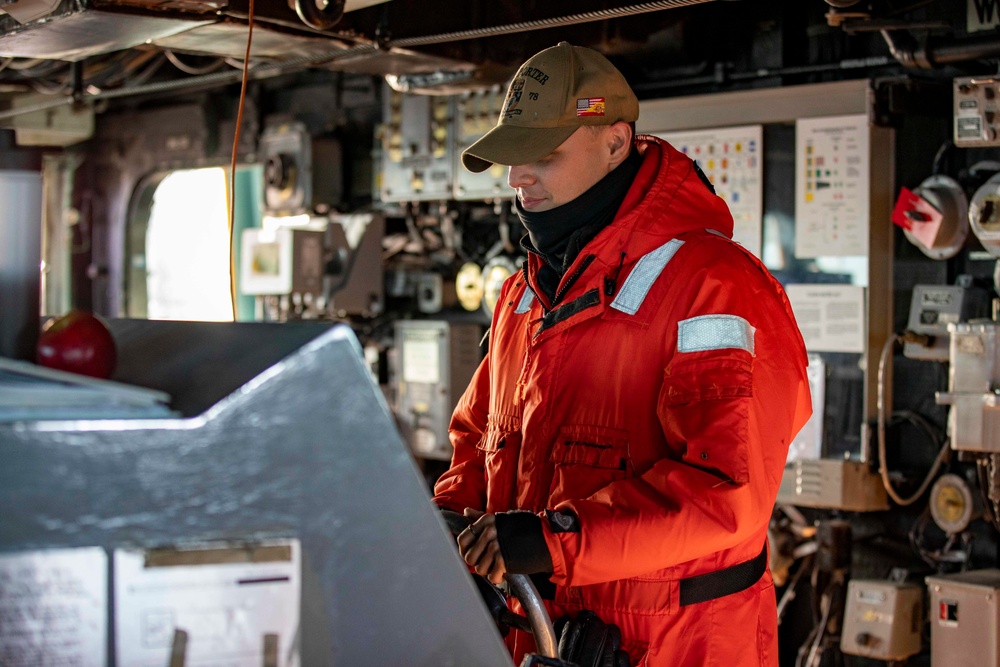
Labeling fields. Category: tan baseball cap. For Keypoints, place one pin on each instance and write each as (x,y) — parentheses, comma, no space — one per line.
(555,92)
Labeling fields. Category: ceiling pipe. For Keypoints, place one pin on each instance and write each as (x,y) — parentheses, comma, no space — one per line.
(909,53)
(539,24)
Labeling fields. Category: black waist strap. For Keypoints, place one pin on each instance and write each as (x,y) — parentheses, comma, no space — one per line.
(702,588)
(723,582)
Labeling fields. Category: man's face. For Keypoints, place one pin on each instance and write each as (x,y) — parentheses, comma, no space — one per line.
(565,173)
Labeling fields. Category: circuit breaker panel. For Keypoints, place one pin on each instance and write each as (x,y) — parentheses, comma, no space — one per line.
(436,361)
(418,147)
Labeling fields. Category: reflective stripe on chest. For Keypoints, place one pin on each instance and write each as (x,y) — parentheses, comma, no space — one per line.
(642,276)
(636,286)
(524,305)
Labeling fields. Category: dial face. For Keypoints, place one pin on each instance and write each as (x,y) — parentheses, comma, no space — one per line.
(496,271)
(951,503)
(469,286)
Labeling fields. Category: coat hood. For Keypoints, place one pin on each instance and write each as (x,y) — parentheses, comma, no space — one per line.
(670,196)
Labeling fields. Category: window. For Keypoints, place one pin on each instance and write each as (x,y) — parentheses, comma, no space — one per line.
(179,244)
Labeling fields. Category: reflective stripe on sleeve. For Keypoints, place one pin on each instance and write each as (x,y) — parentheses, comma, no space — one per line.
(524,305)
(714,332)
(643,275)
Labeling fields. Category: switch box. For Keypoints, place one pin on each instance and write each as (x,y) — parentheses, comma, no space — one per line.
(882,619)
(435,362)
(933,308)
(964,619)
(975,111)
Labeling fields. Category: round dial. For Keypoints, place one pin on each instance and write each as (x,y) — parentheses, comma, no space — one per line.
(469,286)
(951,503)
(496,271)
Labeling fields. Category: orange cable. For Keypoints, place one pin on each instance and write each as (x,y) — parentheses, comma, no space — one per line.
(232,173)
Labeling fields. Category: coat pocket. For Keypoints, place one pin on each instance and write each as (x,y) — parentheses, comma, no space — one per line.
(499,447)
(705,409)
(587,458)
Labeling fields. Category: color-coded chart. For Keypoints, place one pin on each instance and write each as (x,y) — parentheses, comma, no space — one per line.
(732,160)
(831,186)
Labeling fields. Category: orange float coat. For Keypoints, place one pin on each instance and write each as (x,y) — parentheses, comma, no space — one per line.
(655,400)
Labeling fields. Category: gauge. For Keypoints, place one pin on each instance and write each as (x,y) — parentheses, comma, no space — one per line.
(469,286)
(496,271)
(951,504)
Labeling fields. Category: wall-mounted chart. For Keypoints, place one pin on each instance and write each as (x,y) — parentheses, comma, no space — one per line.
(831,186)
(732,158)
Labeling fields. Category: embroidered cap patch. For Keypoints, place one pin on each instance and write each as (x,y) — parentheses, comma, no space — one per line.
(590,106)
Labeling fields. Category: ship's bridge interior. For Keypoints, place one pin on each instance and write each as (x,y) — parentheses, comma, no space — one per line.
(261,205)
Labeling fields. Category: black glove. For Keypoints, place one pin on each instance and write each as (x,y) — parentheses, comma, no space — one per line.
(588,641)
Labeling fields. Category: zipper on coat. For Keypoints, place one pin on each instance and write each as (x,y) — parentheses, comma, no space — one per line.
(572,279)
(527,285)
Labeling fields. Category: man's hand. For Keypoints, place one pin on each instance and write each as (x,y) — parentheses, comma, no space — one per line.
(479,547)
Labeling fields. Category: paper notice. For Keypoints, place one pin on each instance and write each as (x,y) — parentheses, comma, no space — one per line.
(732,159)
(830,317)
(54,608)
(222,602)
(831,186)
(421,357)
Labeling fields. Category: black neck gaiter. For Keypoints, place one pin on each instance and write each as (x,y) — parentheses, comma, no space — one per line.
(558,235)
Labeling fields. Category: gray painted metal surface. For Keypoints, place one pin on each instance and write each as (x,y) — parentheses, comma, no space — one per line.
(306,449)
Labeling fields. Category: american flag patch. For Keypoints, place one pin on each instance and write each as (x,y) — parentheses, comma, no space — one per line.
(590,106)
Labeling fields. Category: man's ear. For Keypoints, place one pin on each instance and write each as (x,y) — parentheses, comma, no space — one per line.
(619,139)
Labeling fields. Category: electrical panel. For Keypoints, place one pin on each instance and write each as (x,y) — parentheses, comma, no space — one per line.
(964,619)
(975,111)
(476,115)
(882,619)
(436,361)
(932,309)
(422,139)
(847,485)
(301,173)
(418,148)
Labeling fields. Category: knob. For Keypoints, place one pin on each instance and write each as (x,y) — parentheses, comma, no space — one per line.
(279,170)
(863,639)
